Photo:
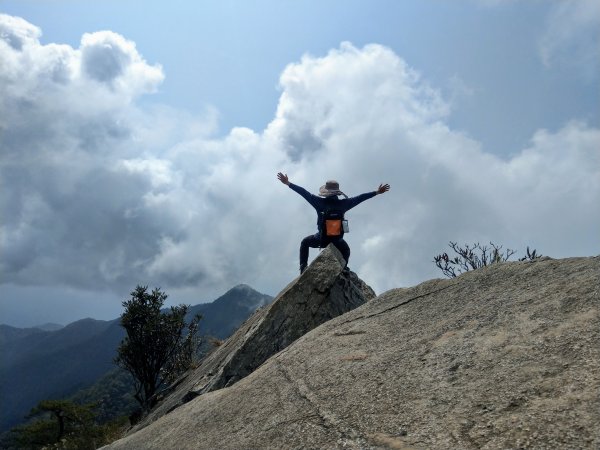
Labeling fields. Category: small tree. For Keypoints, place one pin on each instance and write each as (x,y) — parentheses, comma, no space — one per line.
(475,256)
(157,348)
(61,424)
(530,255)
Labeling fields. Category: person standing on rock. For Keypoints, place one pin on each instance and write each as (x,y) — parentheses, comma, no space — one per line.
(330,210)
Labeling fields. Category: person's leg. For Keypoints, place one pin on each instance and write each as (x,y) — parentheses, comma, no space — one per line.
(344,249)
(312,241)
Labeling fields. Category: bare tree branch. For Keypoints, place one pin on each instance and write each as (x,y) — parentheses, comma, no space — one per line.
(472,257)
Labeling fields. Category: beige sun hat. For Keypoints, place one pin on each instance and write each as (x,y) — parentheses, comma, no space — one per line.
(331,187)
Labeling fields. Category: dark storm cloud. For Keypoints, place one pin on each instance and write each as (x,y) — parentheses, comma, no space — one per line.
(70,214)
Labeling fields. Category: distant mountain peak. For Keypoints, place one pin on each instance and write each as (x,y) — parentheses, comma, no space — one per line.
(225,314)
(242,287)
(242,294)
(49,326)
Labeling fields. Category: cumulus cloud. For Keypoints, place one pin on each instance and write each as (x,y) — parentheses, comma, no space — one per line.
(104,194)
(384,123)
(110,59)
(63,131)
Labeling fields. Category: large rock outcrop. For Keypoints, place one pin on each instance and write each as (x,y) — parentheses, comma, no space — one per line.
(324,291)
(503,357)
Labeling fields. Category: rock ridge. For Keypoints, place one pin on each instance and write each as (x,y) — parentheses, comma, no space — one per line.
(505,357)
(325,290)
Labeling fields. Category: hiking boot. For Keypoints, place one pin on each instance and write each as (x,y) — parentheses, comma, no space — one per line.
(302,268)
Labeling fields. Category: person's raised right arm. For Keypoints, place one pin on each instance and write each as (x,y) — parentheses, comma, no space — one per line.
(283,178)
(294,187)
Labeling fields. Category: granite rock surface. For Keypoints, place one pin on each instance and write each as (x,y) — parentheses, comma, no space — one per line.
(503,357)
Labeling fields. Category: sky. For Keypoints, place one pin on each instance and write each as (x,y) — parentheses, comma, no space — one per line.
(140,141)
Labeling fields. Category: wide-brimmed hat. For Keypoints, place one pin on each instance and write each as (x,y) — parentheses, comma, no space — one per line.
(330,188)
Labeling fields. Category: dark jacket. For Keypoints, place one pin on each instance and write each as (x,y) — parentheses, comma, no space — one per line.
(323,203)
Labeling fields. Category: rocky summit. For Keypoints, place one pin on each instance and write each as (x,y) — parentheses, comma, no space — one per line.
(502,357)
(324,291)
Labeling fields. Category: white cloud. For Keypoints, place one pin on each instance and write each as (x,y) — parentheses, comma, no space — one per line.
(104,194)
(17,32)
(572,36)
(158,171)
(110,59)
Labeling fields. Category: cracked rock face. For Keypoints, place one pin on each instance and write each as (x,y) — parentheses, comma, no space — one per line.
(324,291)
(503,357)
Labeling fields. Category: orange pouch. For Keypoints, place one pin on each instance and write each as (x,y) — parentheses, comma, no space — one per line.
(333,227)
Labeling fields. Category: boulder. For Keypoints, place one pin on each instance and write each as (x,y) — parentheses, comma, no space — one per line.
(502,357)
(325,290)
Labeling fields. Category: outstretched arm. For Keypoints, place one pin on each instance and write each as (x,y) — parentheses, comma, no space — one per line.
(283,178)
(383,188)
(310,198)
(352,202)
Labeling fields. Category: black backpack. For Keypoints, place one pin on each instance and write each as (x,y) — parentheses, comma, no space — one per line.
(332,224)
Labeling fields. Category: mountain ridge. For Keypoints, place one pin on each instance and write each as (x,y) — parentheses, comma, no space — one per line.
(37,364)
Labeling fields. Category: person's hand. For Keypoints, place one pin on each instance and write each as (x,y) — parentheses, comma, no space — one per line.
(283,178)
(383,188)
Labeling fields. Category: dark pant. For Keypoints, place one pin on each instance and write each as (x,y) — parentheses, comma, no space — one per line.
(314,241)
